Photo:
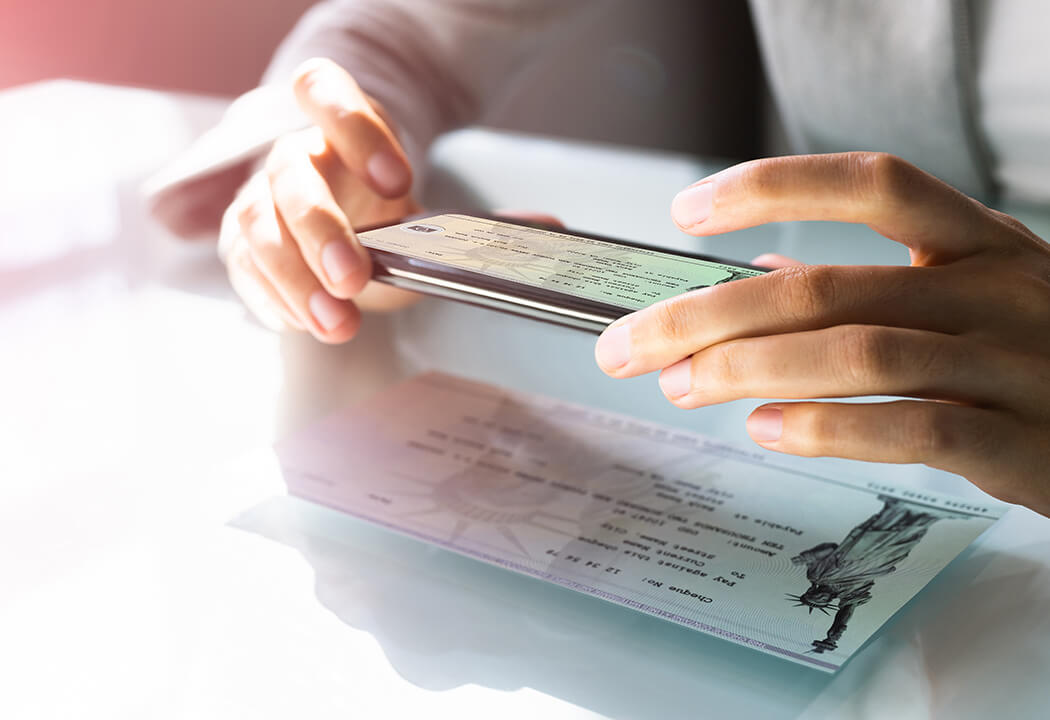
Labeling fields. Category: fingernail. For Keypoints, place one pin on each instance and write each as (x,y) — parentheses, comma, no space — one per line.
(328,311)
(677,380)
(693,205)
(338,260)
(388,171)
(766,424)
(613,349)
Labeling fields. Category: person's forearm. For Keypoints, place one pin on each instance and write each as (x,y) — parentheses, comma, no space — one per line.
(432,66)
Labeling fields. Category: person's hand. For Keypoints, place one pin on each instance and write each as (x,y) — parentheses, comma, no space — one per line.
(963,332)
(288,238)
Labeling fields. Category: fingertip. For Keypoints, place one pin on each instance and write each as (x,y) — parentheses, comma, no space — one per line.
(766,425)
(347,268)
(514,214)
(612,351)
(343,334)
(775,261)
(389,172)
(692,206)
(335,320)
(677,380)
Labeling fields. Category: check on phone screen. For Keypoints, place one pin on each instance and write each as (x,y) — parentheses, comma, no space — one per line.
(590,269)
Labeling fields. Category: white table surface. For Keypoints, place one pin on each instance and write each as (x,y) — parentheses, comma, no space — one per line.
(150,565)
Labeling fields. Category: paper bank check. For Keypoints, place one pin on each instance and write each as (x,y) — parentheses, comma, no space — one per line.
(714,537)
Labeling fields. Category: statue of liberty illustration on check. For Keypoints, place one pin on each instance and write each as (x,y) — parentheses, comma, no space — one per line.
(846,572)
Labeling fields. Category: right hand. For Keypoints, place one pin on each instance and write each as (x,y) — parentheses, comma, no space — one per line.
(288,237)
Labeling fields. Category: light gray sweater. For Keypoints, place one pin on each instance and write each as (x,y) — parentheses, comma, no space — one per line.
(895,75)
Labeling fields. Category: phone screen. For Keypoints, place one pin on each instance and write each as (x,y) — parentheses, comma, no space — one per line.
(588,268)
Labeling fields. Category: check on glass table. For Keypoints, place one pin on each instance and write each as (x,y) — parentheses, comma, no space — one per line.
(745,546)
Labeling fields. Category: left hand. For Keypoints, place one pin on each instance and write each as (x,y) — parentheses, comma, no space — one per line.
(964,331)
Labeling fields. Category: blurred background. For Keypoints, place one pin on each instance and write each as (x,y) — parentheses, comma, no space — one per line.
(646,74)
(217,47)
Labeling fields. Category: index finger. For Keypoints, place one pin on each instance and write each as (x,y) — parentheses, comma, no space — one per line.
(788,300)
(332,99)
(305,203)
(893,197)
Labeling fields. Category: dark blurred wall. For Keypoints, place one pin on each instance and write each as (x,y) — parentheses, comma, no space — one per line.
(673,74)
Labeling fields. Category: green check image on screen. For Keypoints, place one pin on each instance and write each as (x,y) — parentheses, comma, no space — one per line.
(588,268)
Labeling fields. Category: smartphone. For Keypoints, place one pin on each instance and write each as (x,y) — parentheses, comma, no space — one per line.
(559,276)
